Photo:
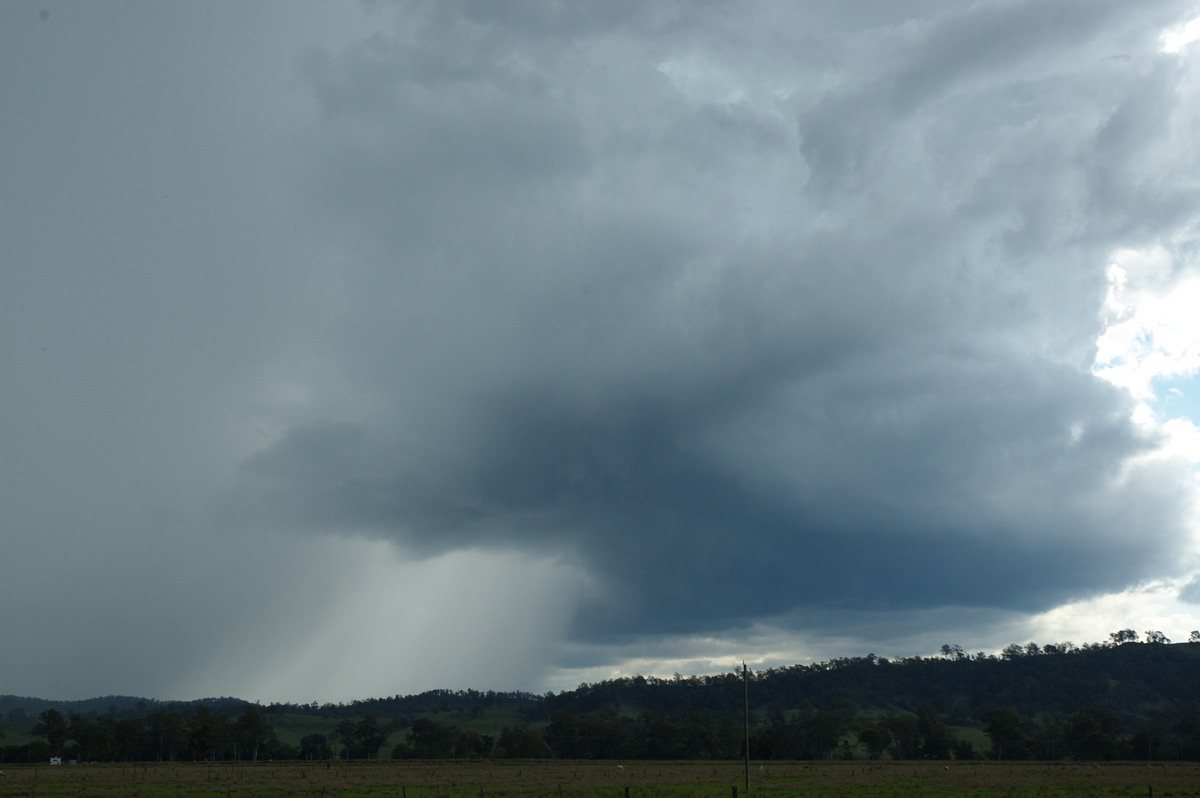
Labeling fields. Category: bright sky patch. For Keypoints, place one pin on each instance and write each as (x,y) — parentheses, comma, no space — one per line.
(1179,37)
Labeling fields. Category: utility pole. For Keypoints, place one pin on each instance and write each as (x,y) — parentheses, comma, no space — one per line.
(746,708)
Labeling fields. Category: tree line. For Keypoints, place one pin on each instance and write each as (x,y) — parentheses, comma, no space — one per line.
(1091,732)
(1131,697)
(203,733)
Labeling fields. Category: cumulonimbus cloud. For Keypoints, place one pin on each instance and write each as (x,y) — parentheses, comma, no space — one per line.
(818,320)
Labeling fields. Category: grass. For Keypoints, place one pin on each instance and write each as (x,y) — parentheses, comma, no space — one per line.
(970,734)
(526,779)
(16,733)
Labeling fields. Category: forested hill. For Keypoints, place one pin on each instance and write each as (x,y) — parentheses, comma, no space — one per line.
(1123,699)
(1132,680)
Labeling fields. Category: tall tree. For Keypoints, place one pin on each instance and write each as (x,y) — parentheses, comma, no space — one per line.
(370,735)
(936,738)
(1006,729)
(906,736)
(873,736)
(169,734)
(1091,732)
(251,730)
(347,732)
(429,739)
(53,727)
(315,746)
(1122,636)
(207,733)
(91,739)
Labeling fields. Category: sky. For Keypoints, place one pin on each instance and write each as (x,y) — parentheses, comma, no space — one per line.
(354,350)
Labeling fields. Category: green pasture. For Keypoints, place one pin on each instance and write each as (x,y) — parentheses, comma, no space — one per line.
(514,779)
(15,733)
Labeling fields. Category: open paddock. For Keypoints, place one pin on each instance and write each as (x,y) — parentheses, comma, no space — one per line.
(602,779)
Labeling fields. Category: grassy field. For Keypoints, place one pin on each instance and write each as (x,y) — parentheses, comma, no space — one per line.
(479,779)
(15,733)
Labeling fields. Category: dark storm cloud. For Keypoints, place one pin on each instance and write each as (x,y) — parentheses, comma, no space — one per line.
(737,332)
(589,333)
